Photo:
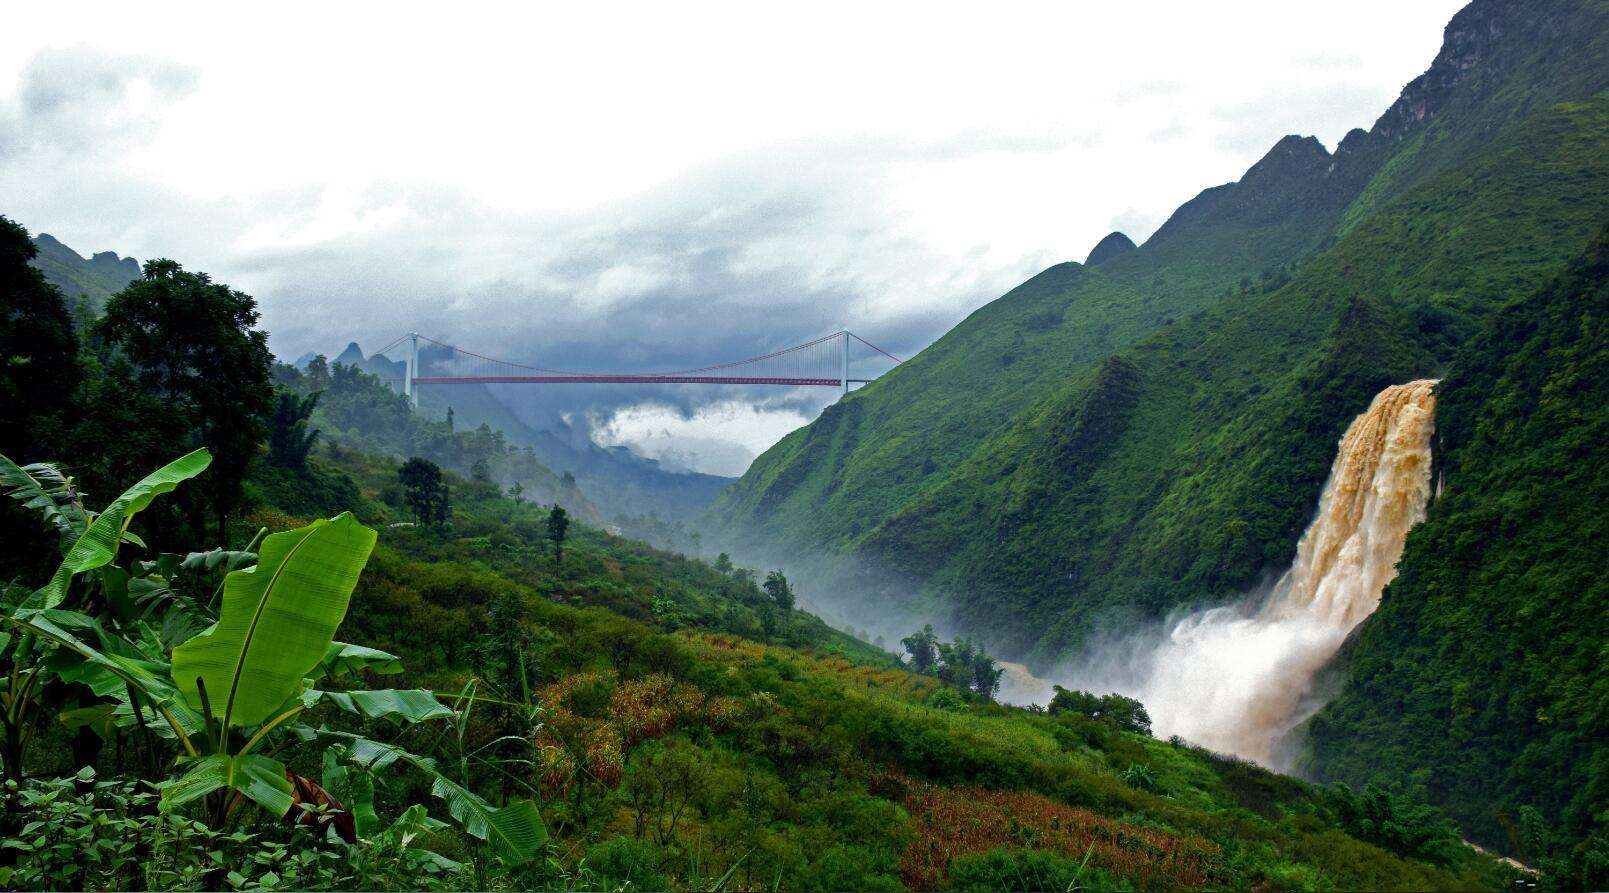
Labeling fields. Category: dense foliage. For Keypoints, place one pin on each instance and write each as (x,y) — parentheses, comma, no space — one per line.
(193,344)
(1481,677)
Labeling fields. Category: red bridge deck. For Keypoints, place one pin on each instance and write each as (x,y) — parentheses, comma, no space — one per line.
(627,379)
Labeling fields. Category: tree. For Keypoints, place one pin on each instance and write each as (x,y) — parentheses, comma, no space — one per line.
(776,586)
(723,563)
(318,373)
(38,352)
(558,526)
(425,491)
(1126,713)
(955,663)
(986,673)
(39,372)
(289,437)
(923,648)
(192,342)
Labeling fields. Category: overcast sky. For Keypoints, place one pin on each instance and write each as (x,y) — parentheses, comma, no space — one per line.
(620,187)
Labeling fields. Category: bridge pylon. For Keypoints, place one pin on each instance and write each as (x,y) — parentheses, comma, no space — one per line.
(843,360)
(409,389)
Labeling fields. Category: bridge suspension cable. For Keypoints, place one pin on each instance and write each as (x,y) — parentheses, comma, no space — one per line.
(820,362)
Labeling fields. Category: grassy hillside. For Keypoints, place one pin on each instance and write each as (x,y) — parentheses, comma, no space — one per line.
(356,410)
(681,742)
(1481,677)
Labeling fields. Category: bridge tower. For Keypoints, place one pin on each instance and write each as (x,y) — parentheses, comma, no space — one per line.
(409,389)
(843,360)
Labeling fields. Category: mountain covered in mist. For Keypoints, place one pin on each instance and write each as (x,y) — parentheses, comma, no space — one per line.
(1110,441)
(87,281)
(617,481)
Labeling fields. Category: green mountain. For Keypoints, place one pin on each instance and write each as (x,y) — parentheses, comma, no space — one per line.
(88,281)
(1481,676)
(1106,443)
(899,472)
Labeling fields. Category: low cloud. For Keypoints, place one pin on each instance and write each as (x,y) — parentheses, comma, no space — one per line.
(612,222)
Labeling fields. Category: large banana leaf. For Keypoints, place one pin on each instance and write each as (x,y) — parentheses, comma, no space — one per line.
(277,620)
(411,704)
(97,546)
(515,831)
(111,674)
(43,488)
(341,658)
(260,778)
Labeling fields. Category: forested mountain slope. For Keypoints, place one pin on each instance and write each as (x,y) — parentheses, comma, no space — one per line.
(1106,442)
(87,281)
(1481,676)
(1063,464)
(1187,467)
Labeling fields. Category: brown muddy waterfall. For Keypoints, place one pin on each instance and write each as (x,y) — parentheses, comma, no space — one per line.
(1237,678)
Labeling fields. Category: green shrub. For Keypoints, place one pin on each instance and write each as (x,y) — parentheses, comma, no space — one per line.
(627,863)
(947,699)
(1030,871)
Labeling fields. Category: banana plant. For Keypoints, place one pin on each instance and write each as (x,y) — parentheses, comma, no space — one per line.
(230,696)
(91,542)
(97,546)
(44,488)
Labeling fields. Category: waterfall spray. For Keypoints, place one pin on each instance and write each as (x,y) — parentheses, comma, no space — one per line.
(1238,678)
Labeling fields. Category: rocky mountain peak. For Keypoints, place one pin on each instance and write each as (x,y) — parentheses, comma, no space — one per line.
(1113,245)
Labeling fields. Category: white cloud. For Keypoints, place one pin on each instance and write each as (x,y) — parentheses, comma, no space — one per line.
(721,438)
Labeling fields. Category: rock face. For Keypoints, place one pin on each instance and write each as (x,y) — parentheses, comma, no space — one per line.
(1112,246)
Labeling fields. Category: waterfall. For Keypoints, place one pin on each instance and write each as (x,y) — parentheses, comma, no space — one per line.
(1237,678)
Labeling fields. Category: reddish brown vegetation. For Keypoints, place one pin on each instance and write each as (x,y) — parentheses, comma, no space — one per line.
(951,822)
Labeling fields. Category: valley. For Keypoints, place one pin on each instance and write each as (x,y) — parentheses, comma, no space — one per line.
(1261,549)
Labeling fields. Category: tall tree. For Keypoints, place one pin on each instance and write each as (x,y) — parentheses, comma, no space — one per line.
(923,647)
(194,343)
(39,372)
(776,586)
(38,353)
(986,675)
(425,491)
(558,526)
(290,438)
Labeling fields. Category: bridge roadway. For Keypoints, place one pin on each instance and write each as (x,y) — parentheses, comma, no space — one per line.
(633,379)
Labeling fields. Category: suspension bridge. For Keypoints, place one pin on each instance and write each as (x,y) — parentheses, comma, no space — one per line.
(822,362)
